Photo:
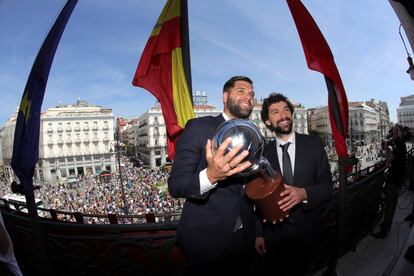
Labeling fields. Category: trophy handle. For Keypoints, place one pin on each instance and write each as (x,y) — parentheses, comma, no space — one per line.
(265,166)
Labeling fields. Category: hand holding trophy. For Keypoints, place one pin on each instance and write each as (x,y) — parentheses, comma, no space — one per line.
(266,185)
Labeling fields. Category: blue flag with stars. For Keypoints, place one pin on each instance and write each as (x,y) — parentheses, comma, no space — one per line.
(26,135)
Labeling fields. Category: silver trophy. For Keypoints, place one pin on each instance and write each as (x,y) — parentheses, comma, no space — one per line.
(265,185)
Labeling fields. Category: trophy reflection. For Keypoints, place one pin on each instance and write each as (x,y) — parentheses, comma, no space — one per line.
(265,185)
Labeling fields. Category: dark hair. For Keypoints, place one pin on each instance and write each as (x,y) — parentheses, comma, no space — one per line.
(230,83)
(274,98)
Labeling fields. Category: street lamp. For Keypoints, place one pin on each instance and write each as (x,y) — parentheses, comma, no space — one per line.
(117,147)
(410,69)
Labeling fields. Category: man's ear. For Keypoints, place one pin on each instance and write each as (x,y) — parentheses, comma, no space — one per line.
(268,123)
(225,96)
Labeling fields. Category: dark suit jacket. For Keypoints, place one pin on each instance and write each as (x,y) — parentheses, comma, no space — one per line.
(311,172)
(207,220)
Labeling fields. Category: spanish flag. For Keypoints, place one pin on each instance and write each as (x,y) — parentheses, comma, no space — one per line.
(164,69)
(319,58)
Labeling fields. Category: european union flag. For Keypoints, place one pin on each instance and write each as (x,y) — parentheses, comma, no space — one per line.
(26,135)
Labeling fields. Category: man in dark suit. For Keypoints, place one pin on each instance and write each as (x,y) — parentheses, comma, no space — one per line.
(217,225)
(397,166)
(304,165)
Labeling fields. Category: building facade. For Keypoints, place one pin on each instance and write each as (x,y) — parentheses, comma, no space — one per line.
(368,123)
(405,112)
(76,140)
(150,136)
(151,145)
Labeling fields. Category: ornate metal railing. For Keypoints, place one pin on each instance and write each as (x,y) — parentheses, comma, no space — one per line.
(139,245)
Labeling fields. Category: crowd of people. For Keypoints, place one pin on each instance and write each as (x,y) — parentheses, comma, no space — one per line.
(144,188)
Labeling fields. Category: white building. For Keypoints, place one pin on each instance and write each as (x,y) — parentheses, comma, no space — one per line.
(366,120)
(363,124)
(300,119)
(152,135)
(75,140)
(318,122)
(405,112)
(7,137)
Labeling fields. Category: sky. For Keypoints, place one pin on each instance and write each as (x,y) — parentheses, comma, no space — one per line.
(103,41)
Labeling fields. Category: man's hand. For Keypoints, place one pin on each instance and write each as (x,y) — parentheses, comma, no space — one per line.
(221,165)
(291,197)
(260,246)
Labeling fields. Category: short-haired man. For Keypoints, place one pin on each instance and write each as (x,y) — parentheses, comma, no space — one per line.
(217,225)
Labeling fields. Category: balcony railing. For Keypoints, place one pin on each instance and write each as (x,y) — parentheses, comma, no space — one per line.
(147,243)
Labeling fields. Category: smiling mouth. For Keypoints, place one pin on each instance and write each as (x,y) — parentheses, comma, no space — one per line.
(245,105)
(284,123)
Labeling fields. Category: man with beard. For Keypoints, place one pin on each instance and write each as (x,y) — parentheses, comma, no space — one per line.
(286,245)
(217,225)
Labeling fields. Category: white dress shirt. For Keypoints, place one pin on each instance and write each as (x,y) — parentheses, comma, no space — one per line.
(205,184)
(291,151)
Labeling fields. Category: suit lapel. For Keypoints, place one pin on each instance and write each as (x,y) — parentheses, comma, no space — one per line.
(271,155)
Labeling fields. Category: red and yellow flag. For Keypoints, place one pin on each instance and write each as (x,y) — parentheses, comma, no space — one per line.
(164,69)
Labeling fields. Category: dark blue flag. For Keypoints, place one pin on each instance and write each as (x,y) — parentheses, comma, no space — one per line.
(26,135)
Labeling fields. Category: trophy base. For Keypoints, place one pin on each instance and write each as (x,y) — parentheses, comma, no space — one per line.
(265,191)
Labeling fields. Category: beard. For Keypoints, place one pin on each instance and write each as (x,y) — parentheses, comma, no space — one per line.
(237,111)
(283,131)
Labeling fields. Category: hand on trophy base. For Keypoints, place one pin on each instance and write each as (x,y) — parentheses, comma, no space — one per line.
(265,192)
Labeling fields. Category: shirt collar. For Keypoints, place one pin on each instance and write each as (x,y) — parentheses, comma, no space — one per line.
(226,118)
(292,140)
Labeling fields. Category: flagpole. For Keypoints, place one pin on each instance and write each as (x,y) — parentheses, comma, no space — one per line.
(27,132)
(44,267)
(340,214)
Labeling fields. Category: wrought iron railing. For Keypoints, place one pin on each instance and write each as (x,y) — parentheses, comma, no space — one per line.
(146,244)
